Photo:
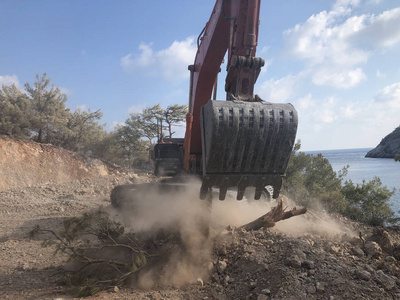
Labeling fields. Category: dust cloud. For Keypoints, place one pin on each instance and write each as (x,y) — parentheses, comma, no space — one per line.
(180,210)
(238,213)
(177,209)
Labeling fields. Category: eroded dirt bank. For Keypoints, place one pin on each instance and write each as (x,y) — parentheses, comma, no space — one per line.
(30,164)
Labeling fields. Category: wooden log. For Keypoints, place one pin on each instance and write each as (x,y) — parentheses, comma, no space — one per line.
(276,214)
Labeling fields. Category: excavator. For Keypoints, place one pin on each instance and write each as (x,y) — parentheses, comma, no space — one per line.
(242,141)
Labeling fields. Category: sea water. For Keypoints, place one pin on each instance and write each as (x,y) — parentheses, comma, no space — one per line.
(363,168)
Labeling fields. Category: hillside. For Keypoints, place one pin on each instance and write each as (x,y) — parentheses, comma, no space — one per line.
(388,147)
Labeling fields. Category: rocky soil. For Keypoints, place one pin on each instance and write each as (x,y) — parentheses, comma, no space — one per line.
(315,256)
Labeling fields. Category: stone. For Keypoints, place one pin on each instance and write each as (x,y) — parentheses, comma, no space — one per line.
(362,274)
(293,261)
(311,289)
(262,297)
(265,291)
(372,249)
(221,266)
(357,252)
(386,281)
(334,250)
(309,264)
(320,287)
(383,239)
(200,282)
(390,259)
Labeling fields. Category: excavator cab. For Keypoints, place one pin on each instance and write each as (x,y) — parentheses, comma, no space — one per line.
(165,157)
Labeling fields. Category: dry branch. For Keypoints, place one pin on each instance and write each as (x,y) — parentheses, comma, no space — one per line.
(276,214)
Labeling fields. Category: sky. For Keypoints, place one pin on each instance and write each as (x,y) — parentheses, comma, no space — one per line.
(337,62)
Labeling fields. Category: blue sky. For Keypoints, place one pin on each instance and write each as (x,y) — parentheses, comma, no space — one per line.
(337,62)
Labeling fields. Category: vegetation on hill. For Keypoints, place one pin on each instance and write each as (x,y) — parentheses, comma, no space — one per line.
(40,113)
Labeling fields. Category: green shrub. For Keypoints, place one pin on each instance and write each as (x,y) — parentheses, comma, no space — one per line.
(310,181)
(368,202)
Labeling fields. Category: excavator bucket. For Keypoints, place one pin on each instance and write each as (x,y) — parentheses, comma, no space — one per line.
(246,144)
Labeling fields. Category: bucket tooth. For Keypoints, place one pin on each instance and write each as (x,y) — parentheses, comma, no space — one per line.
(203,191)
(222,192)
(240,192)
(258,193)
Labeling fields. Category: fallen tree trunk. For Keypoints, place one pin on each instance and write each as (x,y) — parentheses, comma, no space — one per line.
(276,214)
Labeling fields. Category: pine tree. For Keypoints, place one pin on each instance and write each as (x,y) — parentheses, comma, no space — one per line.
(49,114)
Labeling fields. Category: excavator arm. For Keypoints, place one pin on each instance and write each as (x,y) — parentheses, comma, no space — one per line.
(242,141)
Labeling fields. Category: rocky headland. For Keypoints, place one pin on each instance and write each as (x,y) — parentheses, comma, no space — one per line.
(388,147)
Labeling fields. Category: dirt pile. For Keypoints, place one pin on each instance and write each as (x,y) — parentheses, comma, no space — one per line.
(28,164)
(273,265)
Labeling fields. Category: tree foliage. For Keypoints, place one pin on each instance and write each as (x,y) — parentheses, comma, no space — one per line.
(83,130)
(173,115)
(15,112)
(128,139)
(49,114)
(311,181)
(368,202)
(154,120)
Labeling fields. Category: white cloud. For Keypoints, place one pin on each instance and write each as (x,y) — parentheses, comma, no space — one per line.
(373,2)
(280,90)
(82,107)
(65,91)
(306,102)
(336,44)
(9,80)
(343,7)
(136,109)
(382,30)
(338,123)
(379,74)
(114,125)
(265,49)
(171,62)
(145,59)
(389,96)
(344,79)
(264,69)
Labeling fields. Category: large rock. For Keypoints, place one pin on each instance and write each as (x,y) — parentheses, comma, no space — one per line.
(388,147)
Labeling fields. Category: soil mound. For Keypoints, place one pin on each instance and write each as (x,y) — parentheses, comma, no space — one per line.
(26,163)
